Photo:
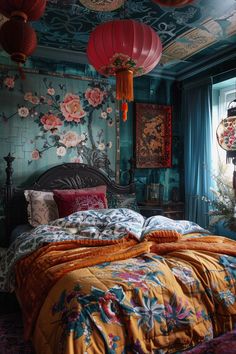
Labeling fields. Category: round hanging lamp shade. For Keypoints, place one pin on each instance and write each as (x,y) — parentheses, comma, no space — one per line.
(28,9)
(18,39)
(124,48)
(102,5)
(226,135)
(173,3)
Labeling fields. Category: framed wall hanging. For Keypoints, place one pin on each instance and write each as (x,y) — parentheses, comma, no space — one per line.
(153,135)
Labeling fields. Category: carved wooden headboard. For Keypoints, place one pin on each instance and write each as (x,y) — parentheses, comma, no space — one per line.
(64,176)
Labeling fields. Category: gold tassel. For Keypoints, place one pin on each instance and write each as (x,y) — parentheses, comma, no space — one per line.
(124,85)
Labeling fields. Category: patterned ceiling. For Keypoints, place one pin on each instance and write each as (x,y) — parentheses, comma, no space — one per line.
(188,34)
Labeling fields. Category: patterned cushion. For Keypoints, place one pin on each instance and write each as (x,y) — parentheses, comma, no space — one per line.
(41,207)
(72,200)
(122,201)
(159,222)
(11,335)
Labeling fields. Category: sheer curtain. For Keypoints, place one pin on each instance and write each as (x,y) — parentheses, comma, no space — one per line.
(196,111)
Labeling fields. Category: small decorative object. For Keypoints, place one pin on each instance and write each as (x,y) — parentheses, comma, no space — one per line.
(175,194)
(102,5)
(154,193)
(226,137)
(173,3)
(124,49)
(153,135)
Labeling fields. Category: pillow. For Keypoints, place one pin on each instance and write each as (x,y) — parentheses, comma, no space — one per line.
(126,200)
(41,207)
(71,200)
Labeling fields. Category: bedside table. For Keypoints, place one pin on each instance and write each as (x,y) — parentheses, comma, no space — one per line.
(150,210)
(173,210)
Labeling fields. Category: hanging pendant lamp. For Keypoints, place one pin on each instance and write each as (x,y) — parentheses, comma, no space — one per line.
(173,3)
(102,5)
(18,39)
(124,49)
(226,137)
(32,9)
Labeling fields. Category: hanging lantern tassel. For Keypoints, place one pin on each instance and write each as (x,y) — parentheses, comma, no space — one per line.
(124,90)
(124,85)
(124,109)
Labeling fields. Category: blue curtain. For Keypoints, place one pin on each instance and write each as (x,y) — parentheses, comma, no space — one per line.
(196,109)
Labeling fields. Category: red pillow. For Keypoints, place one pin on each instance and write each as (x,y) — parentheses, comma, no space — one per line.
(71,200)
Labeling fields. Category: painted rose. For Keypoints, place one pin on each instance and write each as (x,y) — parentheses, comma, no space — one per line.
(35,154)
(70,139)
(50,122)
(109,110)
(51,91)
(94,96)
(101,146)
(23,112)
(9,82)
(61,151)
(104,115)
(71,108)
(28,96)
(76,159)
(34,100)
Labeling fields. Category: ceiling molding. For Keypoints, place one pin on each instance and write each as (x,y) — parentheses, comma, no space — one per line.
(207,63)
(70,56)
(65,55)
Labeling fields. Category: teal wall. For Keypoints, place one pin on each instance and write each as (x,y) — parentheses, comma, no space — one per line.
(19,136)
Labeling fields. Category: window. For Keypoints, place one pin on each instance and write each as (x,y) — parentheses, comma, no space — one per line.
(223,94)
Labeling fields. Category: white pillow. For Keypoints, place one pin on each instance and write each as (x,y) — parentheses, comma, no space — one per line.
(41,207)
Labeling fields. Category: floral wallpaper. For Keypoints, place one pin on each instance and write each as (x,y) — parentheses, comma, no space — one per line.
(48,120)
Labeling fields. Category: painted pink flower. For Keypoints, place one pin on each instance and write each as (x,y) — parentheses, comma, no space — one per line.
(34,100)
(71,108)
(35,154)
(50,121)
(51,91)
(28,96)
(76,159)
(94,96)
(23,112)
(109,110)
(70,139)
(61,151)
(9,82)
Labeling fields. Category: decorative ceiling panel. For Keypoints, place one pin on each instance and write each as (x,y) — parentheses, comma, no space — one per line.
(187,33)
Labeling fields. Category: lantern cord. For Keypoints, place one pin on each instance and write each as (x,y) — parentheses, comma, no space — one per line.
(21,71)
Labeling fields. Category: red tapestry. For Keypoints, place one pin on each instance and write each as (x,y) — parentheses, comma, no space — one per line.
(153,135)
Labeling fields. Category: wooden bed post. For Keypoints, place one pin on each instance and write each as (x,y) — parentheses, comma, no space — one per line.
(8,189)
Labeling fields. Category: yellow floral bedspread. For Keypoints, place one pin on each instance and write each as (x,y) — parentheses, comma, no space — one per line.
(128,297)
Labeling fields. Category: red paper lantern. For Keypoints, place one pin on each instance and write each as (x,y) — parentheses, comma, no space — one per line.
(173,3)
(18,39)
(31,10)
(124,48)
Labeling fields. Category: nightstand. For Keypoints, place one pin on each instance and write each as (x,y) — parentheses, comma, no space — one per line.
(173,210)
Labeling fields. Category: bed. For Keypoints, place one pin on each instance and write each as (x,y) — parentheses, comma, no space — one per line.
(108,280)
